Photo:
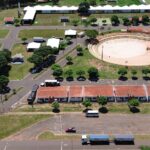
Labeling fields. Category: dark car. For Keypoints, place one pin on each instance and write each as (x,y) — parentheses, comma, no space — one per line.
(71,130)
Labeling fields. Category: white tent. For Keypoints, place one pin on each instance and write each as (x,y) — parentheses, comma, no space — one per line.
(70,32)
(53,42)
(33,45)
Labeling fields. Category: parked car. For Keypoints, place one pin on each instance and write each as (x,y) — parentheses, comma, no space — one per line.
(71,130)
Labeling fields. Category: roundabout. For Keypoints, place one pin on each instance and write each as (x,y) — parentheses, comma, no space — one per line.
(122,49)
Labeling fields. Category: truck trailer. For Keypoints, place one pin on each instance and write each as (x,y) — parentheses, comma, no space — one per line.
(95,139)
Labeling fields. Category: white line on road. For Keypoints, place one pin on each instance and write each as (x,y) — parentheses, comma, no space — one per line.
(5,148)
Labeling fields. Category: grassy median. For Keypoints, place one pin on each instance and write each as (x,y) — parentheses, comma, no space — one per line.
(10,124)
(50,136)
(3,33)
(121,108)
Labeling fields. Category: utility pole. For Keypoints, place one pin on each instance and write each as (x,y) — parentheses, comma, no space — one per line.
(19,10)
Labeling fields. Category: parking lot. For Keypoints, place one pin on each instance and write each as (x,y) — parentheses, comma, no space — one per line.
(107,123)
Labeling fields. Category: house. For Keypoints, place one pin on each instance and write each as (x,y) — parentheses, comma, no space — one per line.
(33,46)
(17,59)
(53,42)
(71,33)
(77,93)
(9,20)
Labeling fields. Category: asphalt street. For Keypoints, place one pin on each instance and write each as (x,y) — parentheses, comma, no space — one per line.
(62,145)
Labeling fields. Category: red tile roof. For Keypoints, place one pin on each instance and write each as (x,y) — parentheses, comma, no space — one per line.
(91,91)
(9,19)
(129,91)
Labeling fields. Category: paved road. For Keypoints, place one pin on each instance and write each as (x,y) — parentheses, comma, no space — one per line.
(62,145)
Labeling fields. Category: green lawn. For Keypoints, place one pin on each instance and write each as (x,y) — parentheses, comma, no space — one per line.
(47,135)
(10,124)
(19,71)
(78,107)
(148,1)
(41,33)
(98,2)
(145,147)
(3,33)
(128,2)
(106,70)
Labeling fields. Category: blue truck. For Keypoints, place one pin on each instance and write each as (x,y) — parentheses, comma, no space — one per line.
(95,139)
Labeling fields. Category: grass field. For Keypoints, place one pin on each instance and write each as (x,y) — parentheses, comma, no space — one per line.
(10,124)
(106,70)
(78,107)
(19,71)
(41,33)
(50,136)
(3,33)
(148,1)
(98,2)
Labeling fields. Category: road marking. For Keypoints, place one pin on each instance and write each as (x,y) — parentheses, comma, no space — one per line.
(5,148)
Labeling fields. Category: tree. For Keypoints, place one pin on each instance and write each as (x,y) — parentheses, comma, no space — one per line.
(134,72)
(58,72)
(134,102)
(115,20)
(69,59)
(69,73)
(87,103)
(80,73)
(55,106)
(122,72)
(92,2)
(135,20)
(145,71)
(7,54)
(54,2)
(93,20)
(75,22)
(3,82)
(79,50)
(86,23)
(102,100)
(35,59)
(126,21)
(93,72)
(84,7)
(3,61)
(92,34)
(24,40)
(55,67)
(145,19)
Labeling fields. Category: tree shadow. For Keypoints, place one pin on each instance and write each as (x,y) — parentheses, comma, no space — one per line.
(122,78)
(134,78)
(94,79)
(81,78)
(103,110)
(69,63)
(69,79)
(86,109)
(146,78)
(134,109)
(56,110)
(60,79)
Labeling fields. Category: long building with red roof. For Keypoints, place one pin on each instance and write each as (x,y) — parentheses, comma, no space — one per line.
(76,93)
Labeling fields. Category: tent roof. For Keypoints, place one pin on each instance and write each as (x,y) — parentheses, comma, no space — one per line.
(19,55)
(70,32)
(53,42)
(33,45)
(30,14)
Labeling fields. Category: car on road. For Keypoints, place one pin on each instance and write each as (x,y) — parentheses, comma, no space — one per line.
(71,130)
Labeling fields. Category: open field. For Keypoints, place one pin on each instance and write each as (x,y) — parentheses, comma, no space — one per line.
(19,71)
(78,107)
(54,19)
(98,2)
(148,1)
(106,70)
(50,136)
(3,33)
(10,124)
(40,33)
